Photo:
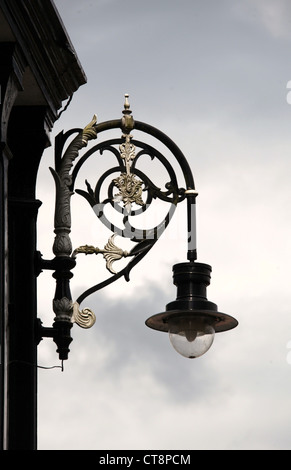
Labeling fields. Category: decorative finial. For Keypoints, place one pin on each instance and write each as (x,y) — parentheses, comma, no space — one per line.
(126,105)
(127,122)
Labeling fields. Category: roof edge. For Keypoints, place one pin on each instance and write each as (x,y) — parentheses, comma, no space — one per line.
(47,48)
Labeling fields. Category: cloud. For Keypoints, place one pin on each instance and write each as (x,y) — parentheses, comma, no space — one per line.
(213,76)
(274,16)
(123,389)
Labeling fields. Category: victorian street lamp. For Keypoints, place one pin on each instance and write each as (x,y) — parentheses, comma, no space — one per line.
(191,320)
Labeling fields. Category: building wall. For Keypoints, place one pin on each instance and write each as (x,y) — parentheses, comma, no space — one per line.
(35,51)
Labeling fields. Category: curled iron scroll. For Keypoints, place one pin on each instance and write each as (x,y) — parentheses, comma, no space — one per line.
(144,239)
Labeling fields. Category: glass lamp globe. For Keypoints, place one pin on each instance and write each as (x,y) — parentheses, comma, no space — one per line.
(190,336)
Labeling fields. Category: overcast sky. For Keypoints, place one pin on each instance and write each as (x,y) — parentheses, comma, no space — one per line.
(213,75)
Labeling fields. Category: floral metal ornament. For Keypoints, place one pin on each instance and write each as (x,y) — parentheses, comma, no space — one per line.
(130,188)
(111,252)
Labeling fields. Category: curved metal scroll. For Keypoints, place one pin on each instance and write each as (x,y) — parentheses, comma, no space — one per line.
(136,190)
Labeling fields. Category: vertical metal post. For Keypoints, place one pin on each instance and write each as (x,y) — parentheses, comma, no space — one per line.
(191,195)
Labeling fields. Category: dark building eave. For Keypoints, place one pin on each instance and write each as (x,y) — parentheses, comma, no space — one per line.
(52,65)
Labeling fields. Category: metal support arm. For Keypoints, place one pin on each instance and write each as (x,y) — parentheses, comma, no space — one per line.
(136,192)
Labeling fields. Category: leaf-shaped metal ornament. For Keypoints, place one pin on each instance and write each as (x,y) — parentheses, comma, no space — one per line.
(111,252)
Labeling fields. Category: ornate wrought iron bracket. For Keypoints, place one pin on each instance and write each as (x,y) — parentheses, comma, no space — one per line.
(130,192)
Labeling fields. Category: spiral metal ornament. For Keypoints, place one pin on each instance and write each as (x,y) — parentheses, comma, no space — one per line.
(125,191)
(84,318)
(130,192)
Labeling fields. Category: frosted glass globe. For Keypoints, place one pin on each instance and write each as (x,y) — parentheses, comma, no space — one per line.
(191,336)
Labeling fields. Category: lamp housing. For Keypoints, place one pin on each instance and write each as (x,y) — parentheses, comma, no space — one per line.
(191,320)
